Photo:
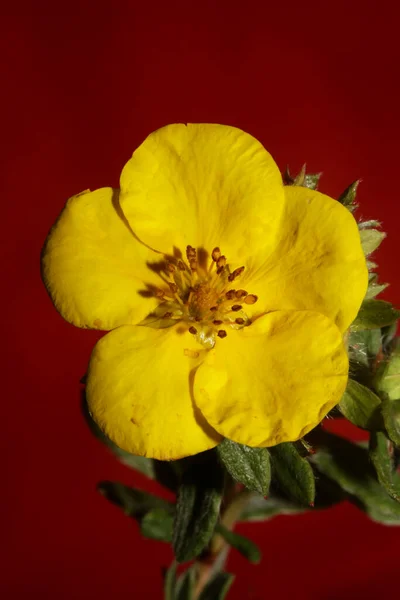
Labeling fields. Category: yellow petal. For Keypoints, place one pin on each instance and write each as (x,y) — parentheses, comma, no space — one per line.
(273,381)
(203,185)
(318,263)
(93,266)
(139,392)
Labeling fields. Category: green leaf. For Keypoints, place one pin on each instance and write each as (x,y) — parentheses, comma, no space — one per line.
(391,417)
(348,197)
(381,452)
(218,587)
(387,377)
(170,582)
(197,507)
(349,466)
(250,466)
(388,338)
(157,524)
(371,239)
(364,345)
(186,584)
(374,314)
(361,406)
(293,473)
(263,509)
(242,544)
(135,503)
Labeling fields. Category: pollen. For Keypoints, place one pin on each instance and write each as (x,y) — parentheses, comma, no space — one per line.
(198,294)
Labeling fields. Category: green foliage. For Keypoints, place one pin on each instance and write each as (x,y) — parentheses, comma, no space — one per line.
(250,466)
(391,418)
(242,544)
(361,406)
(371,240)
(218,587)
(387,377)
(381,454)
(157,524)
(293,474)
(348,197)
(197,506)
(375,314)
(303,179)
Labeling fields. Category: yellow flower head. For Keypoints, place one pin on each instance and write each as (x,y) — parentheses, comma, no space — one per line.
(227,293)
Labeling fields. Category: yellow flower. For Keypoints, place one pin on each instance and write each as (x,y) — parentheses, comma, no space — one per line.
(227,293)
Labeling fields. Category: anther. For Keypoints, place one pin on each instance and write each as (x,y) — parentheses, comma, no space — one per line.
(217,322)
(193,330)
(181,266)
(241,294)
(173,287)
(221,262)
(236,307)
(220,270)
(171,268)
(222,333)
(235,274)
(190,253)
(251,299)
(167,315)
(193,264)
(215,254)
(239,321)
(230,295)
(159,293)
(214,308)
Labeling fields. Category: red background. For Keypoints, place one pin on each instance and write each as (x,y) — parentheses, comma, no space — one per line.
(82,86)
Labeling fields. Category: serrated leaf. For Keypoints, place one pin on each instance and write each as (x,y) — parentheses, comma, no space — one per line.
(170,582)
(349,466)
(374,289)
(387,377)
(185,585)
(361,406)
(135,503)
(250,466)
(371,240)
(348,197)
(381,451)
(374,314)
(197,507)
(218,587)
(391,418)
(242,544)
(364,345)
(293,473)
(157,524)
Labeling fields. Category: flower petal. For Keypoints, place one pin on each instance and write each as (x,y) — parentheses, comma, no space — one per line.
(275,380)
(318,262)
(203,185)
(93,266)
(139,392)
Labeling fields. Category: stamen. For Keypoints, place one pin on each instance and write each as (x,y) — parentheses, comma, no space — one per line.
(239,321)
(215,254)
(236,307)
(241,294)
(159,293)
(181,265)
(167,315)
(193,330)
(221,262)
(217,322)
(214,308)
(171,268)
(173,287)
(251,299)
(235,274)
(220,270)
(193,264)
(190,253)
(222,333)
(230,295)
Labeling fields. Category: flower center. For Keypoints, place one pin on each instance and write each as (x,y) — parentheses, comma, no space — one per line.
(199,294)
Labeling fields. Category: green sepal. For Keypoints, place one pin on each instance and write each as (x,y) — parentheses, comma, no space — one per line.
(381,452)
(369,224)
(374,289)
(157,524)
(348,465)
(374,314)
(246,547)
(371,239)
(364,346)
(391,418)
(361,406)
(293,473)
(197,506)
(387,377)
(135,503)
(303,179)
(389,338)
(218,587)
(250,466)
(170,582)
(348,197)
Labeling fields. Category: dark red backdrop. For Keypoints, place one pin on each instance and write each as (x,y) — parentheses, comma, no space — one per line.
(81,87)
